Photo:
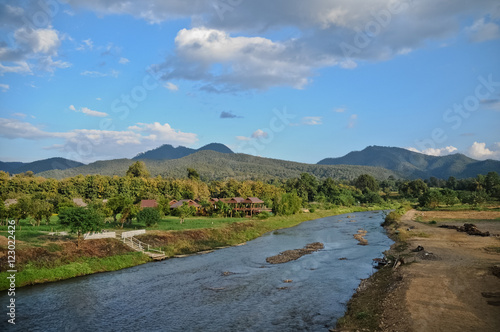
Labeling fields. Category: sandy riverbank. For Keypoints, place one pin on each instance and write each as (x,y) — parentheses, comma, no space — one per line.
(450,285)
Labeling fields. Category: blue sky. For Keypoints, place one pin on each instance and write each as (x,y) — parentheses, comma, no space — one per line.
(294,80)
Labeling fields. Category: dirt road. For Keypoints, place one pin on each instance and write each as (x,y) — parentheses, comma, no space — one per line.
(450,286)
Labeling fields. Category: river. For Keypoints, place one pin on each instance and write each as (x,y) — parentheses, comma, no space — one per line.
(231,289)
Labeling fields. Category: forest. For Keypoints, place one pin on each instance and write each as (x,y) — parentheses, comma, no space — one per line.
(116,198)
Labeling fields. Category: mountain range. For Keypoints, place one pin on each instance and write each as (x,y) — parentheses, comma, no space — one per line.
(216,161)
(411,164)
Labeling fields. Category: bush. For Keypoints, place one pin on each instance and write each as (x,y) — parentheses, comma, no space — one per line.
(149,216)
(312,210)
(263,215)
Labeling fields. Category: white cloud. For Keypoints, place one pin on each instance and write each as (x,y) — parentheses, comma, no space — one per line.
(312,120)
(482,31)
(352,121)
(4,87)
(243,138)
(19,115)
(20,67)
(481,152)
(171,86)
(88,111)
(87,44)
(47,64)
(165,133)
(435,151)
(97,74)
(219,52)
(227,63)
(94,144)
(44,41)
(259,133)
(340,110)
(13,128)
(123,61)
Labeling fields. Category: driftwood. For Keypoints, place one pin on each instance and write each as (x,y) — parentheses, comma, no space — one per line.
(470,229)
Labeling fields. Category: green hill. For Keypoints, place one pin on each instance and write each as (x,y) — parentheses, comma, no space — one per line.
(167,151)
(39,165)
(416,165)
(213,165)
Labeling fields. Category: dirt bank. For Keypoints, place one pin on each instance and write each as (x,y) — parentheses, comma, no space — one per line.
(450,285)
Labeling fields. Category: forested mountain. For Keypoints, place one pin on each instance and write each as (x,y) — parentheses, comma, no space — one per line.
(416,165)
(213,165)
(39,165)
(168,152)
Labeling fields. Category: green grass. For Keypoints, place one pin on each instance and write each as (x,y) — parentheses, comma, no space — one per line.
(32,275)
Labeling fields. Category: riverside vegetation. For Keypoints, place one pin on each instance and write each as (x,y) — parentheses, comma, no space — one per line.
(43,256)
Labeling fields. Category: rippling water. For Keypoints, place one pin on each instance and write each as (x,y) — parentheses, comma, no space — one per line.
(194,293)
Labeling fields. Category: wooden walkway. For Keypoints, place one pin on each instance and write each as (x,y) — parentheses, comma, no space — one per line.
(145,248)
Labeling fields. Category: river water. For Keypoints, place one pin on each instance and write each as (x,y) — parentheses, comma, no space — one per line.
(194,293)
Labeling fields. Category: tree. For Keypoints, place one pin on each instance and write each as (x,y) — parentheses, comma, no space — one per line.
(81,220)
(149,216)
(430,199)
(185,211)
(366,182)
(287,204)
(138,170)
(193,174)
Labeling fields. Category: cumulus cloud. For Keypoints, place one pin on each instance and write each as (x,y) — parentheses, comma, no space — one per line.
(312,120)
(226,63)
(94,144)
(27,48)
(165,133)
(482,31)
(435,151)
(480,151)
(223,52)
(38,40)
(259,133)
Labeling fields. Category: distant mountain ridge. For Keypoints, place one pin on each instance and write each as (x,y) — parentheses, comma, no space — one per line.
(212,165)
(39,165)
(416,165)
(168,152)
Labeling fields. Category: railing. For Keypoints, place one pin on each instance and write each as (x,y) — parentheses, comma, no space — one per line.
(138,245)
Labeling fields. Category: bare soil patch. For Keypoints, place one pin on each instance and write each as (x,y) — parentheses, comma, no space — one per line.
(447,294)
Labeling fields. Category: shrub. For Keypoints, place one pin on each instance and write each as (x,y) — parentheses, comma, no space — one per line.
(149,216)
